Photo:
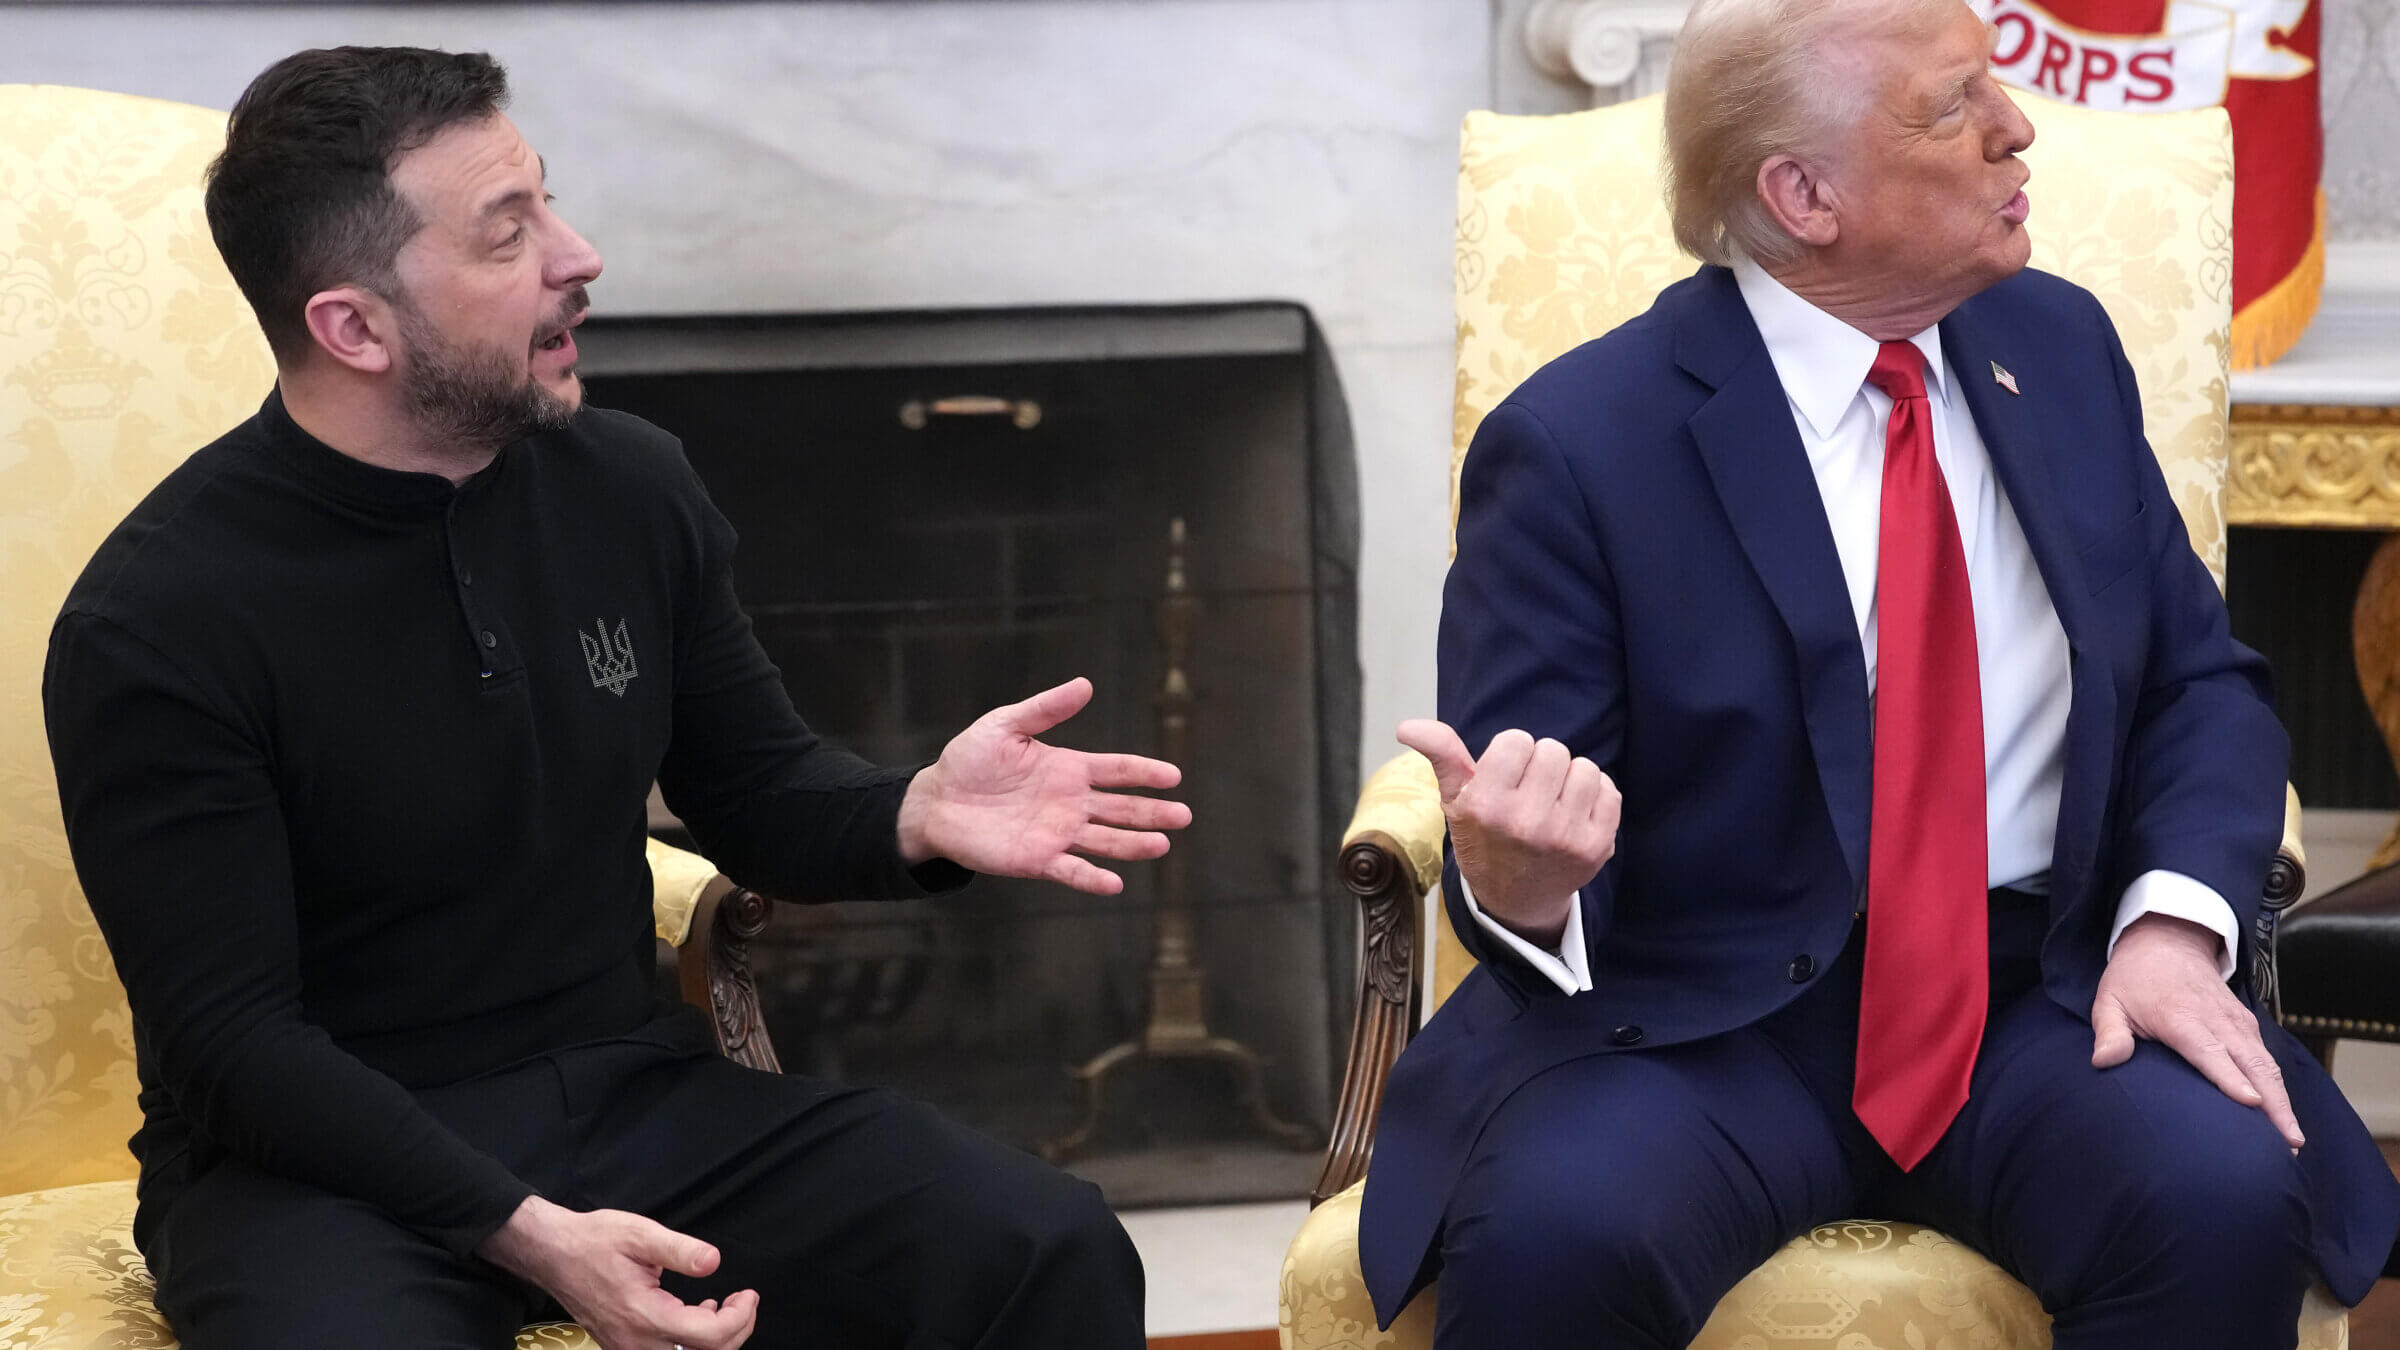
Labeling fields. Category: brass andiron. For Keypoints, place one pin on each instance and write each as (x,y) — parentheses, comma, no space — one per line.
(1178,1027)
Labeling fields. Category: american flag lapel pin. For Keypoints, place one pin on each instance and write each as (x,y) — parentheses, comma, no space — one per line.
(2001,377)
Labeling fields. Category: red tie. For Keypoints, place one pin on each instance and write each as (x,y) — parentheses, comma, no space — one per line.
(1923,992)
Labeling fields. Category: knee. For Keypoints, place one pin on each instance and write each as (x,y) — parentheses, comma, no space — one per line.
(1052,1267)
(2198,1241)
(1069,1223)
(1042,1226)
(2235,1205)
(2207,1200)
(1563,1247)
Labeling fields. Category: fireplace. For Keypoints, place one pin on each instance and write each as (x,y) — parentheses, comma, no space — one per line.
(942,512)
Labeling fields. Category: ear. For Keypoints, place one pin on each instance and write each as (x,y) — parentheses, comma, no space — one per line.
(355,327)
(1801,201)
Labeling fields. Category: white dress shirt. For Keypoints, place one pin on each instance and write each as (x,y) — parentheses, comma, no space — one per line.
(2020,649)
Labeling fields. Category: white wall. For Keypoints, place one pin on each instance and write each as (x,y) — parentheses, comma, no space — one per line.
(913,153)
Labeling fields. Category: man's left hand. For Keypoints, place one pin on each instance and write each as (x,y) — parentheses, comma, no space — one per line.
(2162,985)
(999,801)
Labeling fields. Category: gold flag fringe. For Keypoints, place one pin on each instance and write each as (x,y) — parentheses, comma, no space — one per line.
(2267,327)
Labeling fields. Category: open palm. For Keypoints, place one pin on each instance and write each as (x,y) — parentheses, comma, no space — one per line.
(1002,802)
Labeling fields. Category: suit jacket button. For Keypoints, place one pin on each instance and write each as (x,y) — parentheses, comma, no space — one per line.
(1626,1035)
(1803,966)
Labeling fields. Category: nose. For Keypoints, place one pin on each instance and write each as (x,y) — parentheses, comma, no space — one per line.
(573,262)
(2012,132)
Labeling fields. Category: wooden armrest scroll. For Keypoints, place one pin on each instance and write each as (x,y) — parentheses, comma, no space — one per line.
(1390,858)
(1391,855)
(1375,870)
(715,971)
(2287,877)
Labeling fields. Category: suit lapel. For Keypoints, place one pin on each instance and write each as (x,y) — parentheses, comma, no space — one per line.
(2019,433)
(1752,450)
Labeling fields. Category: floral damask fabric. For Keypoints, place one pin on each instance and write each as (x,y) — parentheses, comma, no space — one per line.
(1402,802)
(123,347)
(70,1278)
(1858,1285)
(1563,234)
(1325,1304)
(677,878)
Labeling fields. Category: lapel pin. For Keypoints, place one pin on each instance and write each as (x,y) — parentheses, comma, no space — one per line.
(2001,377)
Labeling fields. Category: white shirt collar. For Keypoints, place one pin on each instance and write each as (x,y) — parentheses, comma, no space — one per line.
(1822,361)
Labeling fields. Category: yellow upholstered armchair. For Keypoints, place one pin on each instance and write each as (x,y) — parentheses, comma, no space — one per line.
(1562,235)
(124,347)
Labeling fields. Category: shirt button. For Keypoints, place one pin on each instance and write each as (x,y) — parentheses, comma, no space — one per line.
(489,640)
(1803,966)
(1627,1035)
(466,578)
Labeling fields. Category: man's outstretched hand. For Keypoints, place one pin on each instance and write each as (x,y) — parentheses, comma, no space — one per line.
(2162,984)
(603,1266)
(1001,802)
(1530,823)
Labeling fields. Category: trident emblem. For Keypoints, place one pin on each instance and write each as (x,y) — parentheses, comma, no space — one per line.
(609,657)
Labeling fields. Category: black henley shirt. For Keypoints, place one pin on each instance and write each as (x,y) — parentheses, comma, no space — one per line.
(353,765)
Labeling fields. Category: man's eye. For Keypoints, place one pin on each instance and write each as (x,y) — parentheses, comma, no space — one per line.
(513,236)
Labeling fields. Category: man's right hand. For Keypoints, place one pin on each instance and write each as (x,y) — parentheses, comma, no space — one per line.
(603,1268)
(1530,824)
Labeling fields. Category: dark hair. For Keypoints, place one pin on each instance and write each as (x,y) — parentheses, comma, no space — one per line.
(302,198)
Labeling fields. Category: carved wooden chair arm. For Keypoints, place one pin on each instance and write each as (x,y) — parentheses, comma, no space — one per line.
(1391,856)
(711,921)
(2287,876)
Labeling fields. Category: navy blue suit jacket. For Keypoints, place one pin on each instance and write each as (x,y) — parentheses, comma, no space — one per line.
(1645,572)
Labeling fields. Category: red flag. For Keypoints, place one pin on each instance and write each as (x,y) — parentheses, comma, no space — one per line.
(2256,58)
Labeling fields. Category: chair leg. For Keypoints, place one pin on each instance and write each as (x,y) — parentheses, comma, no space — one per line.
(2321,1047)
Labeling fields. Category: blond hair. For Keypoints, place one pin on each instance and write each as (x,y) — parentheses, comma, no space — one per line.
(1753,79)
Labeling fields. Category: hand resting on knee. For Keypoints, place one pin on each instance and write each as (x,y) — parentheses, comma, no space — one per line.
(603,1267)
(2162,984)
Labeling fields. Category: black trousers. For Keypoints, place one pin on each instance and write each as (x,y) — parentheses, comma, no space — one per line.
(863,1219)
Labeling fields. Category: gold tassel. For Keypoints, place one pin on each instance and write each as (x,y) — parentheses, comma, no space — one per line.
(2268,326)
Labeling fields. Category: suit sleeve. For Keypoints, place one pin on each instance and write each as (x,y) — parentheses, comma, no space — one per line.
(1529,639)
(2202,774)
(178,838)
(775,806)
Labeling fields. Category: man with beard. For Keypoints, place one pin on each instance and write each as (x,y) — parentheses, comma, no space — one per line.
(356,789)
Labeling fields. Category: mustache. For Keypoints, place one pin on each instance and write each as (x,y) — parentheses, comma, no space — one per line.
(575,306)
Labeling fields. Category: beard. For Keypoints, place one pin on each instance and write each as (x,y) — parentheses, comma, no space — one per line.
(477,397)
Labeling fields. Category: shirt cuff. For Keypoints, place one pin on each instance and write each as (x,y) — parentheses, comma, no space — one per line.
(1570,967)
(2179,897)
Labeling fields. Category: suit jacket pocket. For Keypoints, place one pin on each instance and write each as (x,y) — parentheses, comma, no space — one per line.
(2114,553)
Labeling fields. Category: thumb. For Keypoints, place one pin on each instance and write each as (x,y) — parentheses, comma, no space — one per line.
(1453,767)
(1044,710)
(2112,1034)
(661,1246)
